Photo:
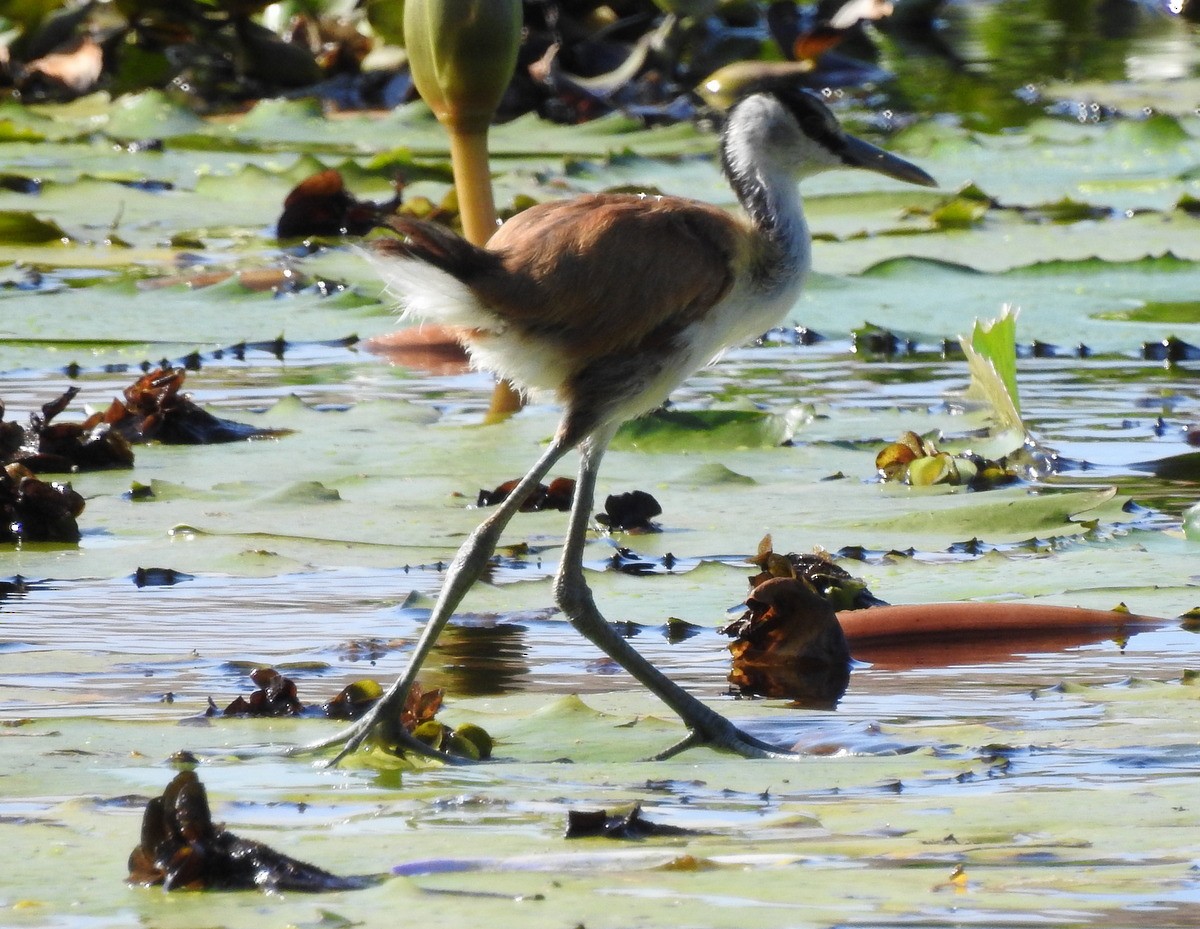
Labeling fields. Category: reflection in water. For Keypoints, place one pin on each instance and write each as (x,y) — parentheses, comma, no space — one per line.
(944,651)
(15,588)
(809,685)
(986,53)
(479,659)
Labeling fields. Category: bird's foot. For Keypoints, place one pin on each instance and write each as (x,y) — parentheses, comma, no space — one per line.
(375,725)
(725,736)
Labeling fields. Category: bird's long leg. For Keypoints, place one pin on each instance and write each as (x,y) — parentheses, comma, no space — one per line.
(705,725)
(464,570)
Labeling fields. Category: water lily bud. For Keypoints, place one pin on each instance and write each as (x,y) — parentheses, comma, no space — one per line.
(462,54)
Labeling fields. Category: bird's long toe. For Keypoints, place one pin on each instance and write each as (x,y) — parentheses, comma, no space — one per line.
(726,737)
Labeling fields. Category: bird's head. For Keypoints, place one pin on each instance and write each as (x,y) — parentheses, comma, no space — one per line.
(794,131)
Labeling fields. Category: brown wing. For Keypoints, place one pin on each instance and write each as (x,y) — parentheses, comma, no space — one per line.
(612,272)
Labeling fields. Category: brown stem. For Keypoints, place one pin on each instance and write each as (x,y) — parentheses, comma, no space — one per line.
(979,620)
(477,209)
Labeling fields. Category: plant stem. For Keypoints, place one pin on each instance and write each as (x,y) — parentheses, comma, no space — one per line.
(477,210)
(473,182)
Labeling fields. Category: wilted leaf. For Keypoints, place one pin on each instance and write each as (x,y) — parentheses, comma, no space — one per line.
(557,496)
(32,510)
(182,849)
(275,696)
(789,644)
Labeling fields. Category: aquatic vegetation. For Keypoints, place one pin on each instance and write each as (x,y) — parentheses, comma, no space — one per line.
(954,777)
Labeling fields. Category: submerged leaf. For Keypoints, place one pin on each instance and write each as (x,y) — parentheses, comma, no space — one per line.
(24,228)
(674,430)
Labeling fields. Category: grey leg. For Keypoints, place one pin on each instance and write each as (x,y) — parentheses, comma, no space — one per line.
(464,571)
(575,599)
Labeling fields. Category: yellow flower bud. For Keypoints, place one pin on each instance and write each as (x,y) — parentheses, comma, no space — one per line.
(462,54)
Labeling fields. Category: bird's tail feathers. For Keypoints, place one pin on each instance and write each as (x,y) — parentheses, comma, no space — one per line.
(436,245)
(429,270)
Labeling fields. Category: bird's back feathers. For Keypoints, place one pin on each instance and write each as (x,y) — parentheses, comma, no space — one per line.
(606,273)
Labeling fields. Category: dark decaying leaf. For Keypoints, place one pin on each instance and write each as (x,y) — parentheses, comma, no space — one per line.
(557,496)
(182,849)
(33,510)
(630,824)
(789,644)
(44,446)
(154,410)
(276,696)
(818,572)
(631,512)
(320,205)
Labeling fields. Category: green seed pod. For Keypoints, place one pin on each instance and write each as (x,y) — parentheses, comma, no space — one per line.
(431,732)
(478,737)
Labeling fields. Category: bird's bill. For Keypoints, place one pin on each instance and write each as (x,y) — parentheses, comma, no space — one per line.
(860,154)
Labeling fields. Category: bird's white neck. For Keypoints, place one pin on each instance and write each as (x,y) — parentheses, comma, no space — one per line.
(766,187)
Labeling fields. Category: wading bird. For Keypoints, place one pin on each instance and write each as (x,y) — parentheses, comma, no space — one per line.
(610,301)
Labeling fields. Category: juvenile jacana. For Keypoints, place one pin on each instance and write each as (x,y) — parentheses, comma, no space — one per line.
(610,301)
